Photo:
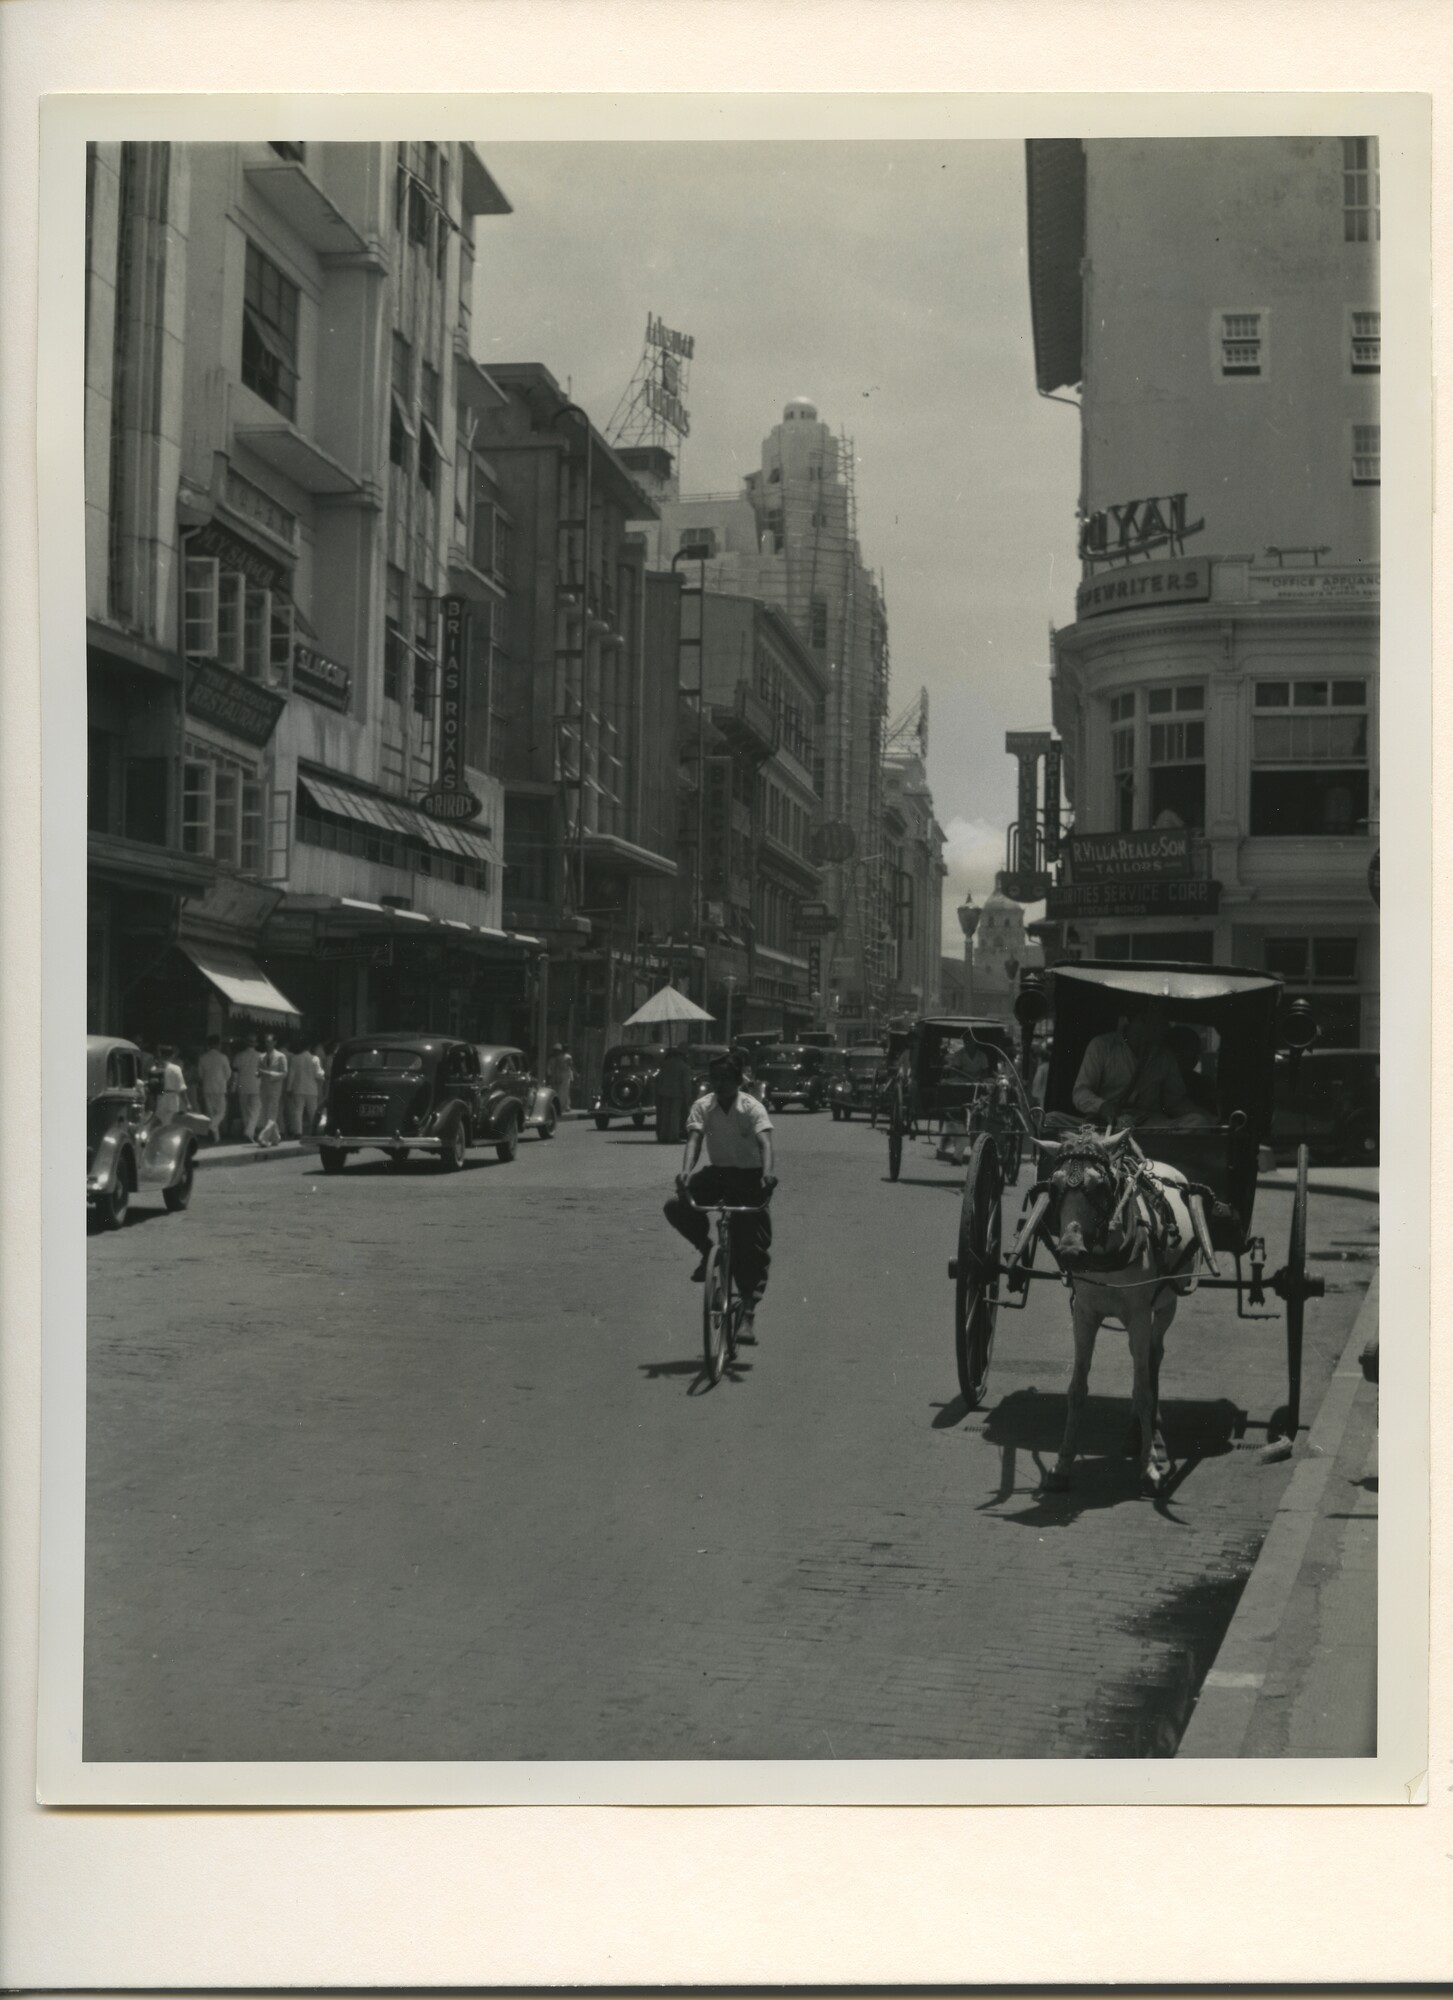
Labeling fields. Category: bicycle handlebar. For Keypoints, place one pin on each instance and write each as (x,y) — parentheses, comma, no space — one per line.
(729,1208)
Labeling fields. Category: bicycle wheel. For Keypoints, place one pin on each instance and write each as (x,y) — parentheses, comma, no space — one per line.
(715,1307)
(976,1295)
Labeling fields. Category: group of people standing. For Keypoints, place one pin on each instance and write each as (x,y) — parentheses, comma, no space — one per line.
(261,1093)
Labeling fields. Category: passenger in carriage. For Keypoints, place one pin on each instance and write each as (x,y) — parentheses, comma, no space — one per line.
(1185,1045)
(1130,1078)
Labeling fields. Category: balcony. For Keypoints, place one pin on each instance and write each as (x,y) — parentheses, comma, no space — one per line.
(287,186)
(748,725)
(283,446)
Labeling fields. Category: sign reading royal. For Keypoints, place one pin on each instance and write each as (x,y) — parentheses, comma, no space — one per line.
(1148,583)
(1135,527)
(1134,899)
(1159,855)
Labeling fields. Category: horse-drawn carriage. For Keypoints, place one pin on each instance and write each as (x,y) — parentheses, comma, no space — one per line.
(952,1076)
(1202,1165)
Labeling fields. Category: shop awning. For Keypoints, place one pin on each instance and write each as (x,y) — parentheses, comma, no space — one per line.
(242,983)
(368,809)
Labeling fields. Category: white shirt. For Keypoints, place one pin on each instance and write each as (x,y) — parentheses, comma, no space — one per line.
(730,1136)
(247,1062)
(214,1070)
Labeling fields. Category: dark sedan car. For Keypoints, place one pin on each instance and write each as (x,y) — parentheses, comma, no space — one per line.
(793,1073)
(627,1075)
(426,1094)
(855,1081)
(1327,1100)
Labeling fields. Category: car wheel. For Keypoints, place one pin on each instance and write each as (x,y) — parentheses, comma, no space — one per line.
(111,1207)
(456,1145)
(179,1194)
(332,1158)
(546,1127)
(602,1123)
(509,1145)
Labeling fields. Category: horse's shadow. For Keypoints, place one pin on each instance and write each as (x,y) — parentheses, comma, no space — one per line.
(1106,1473)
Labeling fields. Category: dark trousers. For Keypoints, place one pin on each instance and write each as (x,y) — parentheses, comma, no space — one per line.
(751,1234)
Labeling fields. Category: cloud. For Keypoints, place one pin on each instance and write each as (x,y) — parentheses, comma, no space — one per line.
(973,853)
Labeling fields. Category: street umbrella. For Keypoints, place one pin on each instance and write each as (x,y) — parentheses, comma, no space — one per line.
(668,1005)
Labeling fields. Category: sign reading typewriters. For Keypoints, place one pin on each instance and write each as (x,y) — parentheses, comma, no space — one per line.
(1144,585)
(1134,899)
(1158,855)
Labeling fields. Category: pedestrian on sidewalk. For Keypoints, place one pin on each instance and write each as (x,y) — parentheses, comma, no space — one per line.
(173,1084)
(214,1073)
(304,1071)
(247,1068)
(560,1075)
(272,1075)
(673,1090)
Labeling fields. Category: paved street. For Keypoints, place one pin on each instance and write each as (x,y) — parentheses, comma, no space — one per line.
(422,1467)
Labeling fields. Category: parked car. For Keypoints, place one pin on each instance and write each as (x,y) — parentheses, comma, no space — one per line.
(701,1056)
(854,1084)
(428,1094)
(1327,1101)
(817,1038)
(755,1040)
(626,1077)
(793,1073)
(128,1148)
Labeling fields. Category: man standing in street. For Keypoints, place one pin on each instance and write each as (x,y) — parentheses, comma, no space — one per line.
(737,1135)
(247,1071)
(272,1074)
(304,1070)
(214,1073)
(173,1084)
(560,1075)
(672,1090)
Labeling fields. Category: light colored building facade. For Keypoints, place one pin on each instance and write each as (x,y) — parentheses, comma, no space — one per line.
(789,538)
(913,875)
(303,554)
(1216,304)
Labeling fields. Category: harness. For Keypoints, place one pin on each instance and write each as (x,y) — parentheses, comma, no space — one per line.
(1137,1195)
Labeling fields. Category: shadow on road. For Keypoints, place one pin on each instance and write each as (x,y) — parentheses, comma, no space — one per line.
(700,1383)
(917,1180)
(1105,1473)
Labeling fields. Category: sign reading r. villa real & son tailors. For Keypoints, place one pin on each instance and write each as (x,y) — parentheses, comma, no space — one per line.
(451,798)
(1158,854)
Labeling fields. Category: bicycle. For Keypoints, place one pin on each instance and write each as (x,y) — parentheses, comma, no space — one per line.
(722,1307)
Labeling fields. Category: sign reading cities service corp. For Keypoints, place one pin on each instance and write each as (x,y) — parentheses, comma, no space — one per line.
(1158,855)
(1134,899)
(1145,585)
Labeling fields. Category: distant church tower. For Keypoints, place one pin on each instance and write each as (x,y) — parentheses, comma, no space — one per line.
(1001,951)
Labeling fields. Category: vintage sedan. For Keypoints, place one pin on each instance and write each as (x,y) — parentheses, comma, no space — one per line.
(793,1073)
(401,1094)
(627,1074)
(128,1148)
(854,1084)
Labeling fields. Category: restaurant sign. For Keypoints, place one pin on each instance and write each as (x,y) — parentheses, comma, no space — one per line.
(229,701)
(1160,854)
(1184,582)
(1134,899)
(320,678)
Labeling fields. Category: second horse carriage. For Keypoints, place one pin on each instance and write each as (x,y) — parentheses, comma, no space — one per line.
(953,1076)
(1203,1161)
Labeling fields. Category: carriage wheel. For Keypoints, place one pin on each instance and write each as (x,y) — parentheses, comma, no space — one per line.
(895,1138)
(1011,1153)
(1295,1289)
(976,1282)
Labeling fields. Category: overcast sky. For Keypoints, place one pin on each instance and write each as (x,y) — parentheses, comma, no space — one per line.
(888,283)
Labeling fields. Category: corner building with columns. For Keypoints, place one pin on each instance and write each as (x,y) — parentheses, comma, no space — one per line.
(1215,305)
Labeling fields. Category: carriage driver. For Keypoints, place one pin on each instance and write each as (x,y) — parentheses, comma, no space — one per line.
(1130,1077)
(737,1135)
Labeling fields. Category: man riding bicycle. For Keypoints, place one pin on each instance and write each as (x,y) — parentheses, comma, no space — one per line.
(737,1135)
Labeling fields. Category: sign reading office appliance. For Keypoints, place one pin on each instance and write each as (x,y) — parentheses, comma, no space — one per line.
(451,798)
(1135,527)
(1160,855)
(1134,899)
(1147,584)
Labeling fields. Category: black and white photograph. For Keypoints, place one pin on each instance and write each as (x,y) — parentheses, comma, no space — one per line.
(732,965)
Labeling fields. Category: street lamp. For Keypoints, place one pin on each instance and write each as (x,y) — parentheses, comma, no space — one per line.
(968,915)
(699,553)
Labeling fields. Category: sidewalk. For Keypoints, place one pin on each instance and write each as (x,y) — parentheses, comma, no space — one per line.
(1296,1675)
(1355,1183)
(243,1154)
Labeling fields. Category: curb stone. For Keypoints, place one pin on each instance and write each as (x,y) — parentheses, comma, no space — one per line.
(251,1156)
(1223,1713)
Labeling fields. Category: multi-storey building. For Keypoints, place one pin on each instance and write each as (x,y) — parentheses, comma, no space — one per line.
(789,538)
(326,637)
(913,874)
(1216,303)
(582,709)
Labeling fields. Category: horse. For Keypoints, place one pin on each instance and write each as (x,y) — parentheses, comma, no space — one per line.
(1126,1232)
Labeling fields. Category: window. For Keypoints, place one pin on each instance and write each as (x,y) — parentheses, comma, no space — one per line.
(1367,454)
(1177,756)
(394,646)
(222,809)
(237,623)
(1360,219)
(1365,337)
(431,450)
(423,656)
(1242,343)
(401,185)
(401,421)
(1122,760)
(818,633)
(270,333)
(1311,966)
(1310,758)
(1164,947)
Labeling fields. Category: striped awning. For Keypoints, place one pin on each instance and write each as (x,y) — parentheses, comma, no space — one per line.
(393,816)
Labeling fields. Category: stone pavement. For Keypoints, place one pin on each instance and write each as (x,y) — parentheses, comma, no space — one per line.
(423,1466)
